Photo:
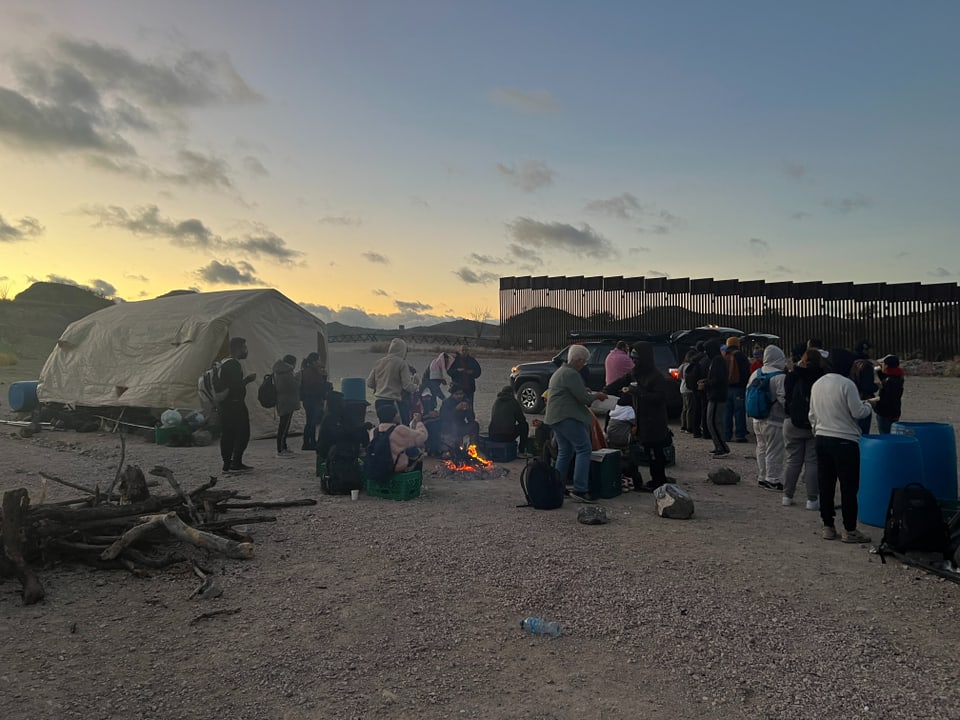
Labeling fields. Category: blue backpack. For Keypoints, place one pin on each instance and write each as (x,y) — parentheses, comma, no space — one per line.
(758,400)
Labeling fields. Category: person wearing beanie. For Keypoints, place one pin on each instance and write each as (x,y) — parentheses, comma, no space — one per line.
(507,421)
(406,442)
(738,371)
(887,406)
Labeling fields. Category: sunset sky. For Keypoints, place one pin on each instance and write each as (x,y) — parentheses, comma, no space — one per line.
(387,162)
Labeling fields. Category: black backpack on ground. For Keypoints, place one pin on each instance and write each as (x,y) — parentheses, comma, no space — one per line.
(379,463)
(342,472)
(541,485)
(914,522)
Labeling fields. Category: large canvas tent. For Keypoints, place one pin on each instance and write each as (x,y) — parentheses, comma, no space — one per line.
(151,353)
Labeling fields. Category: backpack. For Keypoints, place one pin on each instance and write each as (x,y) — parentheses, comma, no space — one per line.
(542,486)
(691,374)
(800,405)
(379,463)
(267,394)
(757,399)
(209,387)
(914,522)
(342,473)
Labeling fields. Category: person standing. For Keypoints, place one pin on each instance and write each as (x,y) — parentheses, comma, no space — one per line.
(738,370)
(686,394)
(234,416)
(800,449)
(835,414)
(287,382)
(464,371)
(314,387)
(769,430)
(617,363)
(569,417)
(715,385)
(862,373)
(390,378)
(891,393)
(434,378)
(697,371)
(507,421)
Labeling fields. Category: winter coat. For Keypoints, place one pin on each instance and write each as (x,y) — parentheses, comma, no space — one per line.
(506,413)
(648,396)
(774,361)
(464,371)
(717,373)
(313,384)
(569,397)
(805,376)
(391,376)
(891,392)
(835,407)
(617,364)
(287,382)
(736,359)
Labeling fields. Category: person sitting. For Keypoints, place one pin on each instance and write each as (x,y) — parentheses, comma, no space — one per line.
(621,436)
(457,420)
(431,419)
(406,442)
(507,421)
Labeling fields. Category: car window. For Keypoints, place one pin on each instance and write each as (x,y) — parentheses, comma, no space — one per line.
(599,354)
(663,358)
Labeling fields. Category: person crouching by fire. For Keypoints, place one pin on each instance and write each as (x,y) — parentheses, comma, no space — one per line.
(457,421)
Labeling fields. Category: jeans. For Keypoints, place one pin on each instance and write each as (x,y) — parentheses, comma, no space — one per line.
(884,425)
(801,452)
(686,414)
(520,434)
(313,408)
(234,432)
(838,460)
(573,439)
(736,416)
(715,417)
(283,427)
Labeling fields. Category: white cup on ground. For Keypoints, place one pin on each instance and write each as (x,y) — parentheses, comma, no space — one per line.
(354,494)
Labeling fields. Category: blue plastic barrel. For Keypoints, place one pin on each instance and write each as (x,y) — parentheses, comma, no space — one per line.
(22,396)
(886,462)
(938,445)
(354,388)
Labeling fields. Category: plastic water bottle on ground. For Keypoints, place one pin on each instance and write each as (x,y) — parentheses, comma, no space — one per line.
(539,626)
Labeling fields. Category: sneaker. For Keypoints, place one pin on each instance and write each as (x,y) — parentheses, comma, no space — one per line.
(786,501)
(582,496)
(829,532)
(240,467)
(719,454)
(226,467)
(767,485)
(813,504)
(854,536)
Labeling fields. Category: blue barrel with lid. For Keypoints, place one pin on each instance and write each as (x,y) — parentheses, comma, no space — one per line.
(938,445)
(22,396)
(886,462)
(354,388)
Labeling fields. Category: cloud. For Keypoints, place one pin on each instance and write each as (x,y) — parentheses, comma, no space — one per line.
(625,206)
(529,177)
(485,259)
(419,202)
(343,220)
(381,293)
(657,229)
(800,215)
(761,247)
(243,273)
(847,205)
(582,241)
(638,250)
(98,286)
(357,317)
(26,228)
(254,166)
(147,221)
(525,101)
(412,306)
(472,277)
(657,273)
(191,169)
(782,270)
(375,257)
(524,254)
(795,170)
(138,278)
(940,272)
(901,255)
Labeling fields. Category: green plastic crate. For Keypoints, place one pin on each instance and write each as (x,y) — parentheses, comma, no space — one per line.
(402,486)
(163,435)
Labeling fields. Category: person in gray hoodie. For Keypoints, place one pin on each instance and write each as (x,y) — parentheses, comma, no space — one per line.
(287,382)
(391,377)
(769,430)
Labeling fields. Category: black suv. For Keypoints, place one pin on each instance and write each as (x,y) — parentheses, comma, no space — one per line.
(529,380)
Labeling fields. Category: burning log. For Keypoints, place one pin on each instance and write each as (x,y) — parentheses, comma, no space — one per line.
(468,463)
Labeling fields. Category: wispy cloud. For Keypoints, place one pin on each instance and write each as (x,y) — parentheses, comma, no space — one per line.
(638,250)
(486,259)
(758,246)
(940,272)
(243,273)
(380,292)
(376,257)
(525,101)
(342,220)
(26,228)
(800,215)
(582,241)
(254,167)
(657,273)
(625,206)
(98,286)
(138,278)
(529,177)
(412,306)
(847,205)
(472,277)
(795,170)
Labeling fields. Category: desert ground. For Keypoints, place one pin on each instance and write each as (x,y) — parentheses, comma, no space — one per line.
(380,609)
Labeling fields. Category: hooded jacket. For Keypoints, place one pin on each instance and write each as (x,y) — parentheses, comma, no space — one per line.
(648,395)
(287,383)
(891,392)
(718,379)
(774,361)
(506,413)
(464,371)
(835,407)
(802,375)
(391,376)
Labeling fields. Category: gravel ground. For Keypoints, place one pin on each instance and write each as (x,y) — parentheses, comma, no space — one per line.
(378,609)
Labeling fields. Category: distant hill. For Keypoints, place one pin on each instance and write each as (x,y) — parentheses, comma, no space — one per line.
(460,328)
(49,293)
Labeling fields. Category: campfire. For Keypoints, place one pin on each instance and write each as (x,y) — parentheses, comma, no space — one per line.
(467,463)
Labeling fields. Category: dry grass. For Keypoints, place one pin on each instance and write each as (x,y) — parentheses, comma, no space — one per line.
(7,359)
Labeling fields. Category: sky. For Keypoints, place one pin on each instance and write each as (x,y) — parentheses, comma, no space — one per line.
(385,163)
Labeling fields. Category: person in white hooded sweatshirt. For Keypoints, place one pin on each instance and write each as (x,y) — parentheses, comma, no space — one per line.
(835,411)
(769,430)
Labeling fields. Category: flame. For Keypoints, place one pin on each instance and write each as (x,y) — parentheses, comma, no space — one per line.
(477,462)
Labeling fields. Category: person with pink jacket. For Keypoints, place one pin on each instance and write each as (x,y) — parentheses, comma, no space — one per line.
(406,442)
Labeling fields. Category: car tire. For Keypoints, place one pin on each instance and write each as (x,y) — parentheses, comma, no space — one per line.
(530,396)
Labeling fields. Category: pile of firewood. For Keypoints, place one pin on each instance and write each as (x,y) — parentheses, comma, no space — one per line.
(129,528)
